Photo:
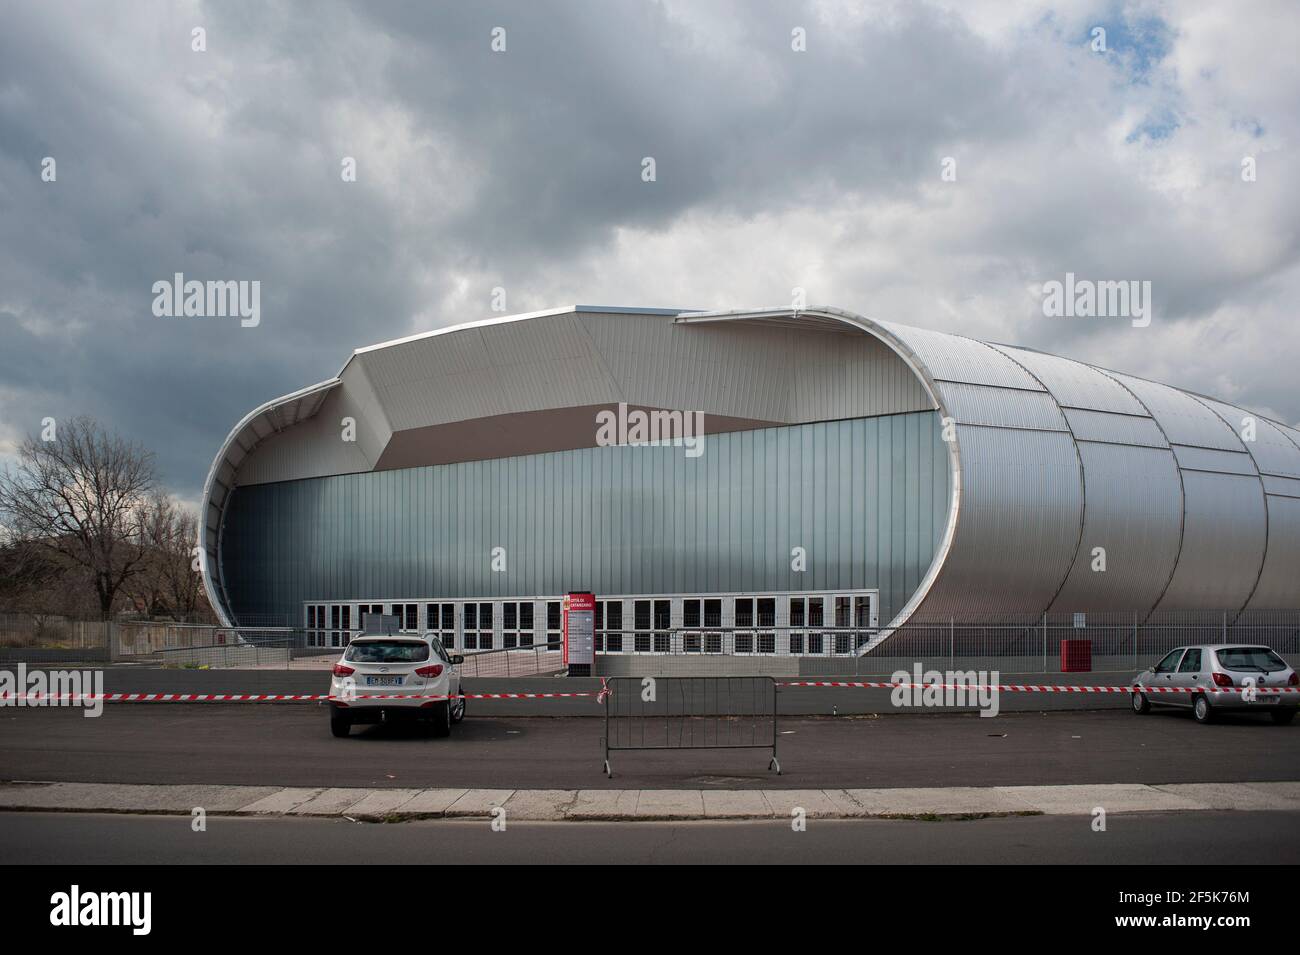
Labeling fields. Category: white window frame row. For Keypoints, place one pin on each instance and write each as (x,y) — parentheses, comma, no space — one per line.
(736,624)
(807,623)
(521,623)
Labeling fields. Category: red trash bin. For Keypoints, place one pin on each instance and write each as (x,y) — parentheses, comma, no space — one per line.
(1076,656)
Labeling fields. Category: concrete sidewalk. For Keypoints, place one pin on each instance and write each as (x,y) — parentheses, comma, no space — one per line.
(569,805)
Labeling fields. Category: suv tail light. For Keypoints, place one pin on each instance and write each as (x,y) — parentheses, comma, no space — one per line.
(341,670)
(435,670)
(1222,679)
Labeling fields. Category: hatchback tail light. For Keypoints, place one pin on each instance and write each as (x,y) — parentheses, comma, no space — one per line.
(1293,679)
(1222,679)
(341,670)
(434,670)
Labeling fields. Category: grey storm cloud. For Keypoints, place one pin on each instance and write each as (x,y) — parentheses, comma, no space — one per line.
(522,169)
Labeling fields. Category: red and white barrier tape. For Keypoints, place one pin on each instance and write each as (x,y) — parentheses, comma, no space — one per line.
(273,697)
(601,695)
(1045,688)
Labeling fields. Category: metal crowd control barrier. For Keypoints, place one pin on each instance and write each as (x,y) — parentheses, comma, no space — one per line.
(677,713)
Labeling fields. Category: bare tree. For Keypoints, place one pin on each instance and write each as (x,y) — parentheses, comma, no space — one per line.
(31,580)
(168,584)
(184,582)
(81,497)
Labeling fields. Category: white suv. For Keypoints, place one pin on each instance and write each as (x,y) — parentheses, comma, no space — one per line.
(411,669)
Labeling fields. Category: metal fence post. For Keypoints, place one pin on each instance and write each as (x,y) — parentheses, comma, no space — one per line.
(609,773)
(1044,641)
(776,732)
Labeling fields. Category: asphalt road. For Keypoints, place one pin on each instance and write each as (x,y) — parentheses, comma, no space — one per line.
(290,745)
(1137,839)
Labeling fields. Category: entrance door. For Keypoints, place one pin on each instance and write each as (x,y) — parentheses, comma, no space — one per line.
(340,625)
(841,605)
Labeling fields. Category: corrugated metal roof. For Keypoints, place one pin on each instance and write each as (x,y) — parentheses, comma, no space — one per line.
(1183,419)
(576,359)
(1205,459)
(1288,487)
(1002,407)
(953,358)
(1115,428)
(1076,385)
(1273,451)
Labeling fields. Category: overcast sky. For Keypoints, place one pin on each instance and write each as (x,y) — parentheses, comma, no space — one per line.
(775,168)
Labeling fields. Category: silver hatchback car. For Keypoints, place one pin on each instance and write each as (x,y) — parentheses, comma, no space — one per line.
(1231,672)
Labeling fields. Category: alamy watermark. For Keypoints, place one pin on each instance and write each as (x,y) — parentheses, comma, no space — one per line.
(934,688)
(179,298)
(1084,298)
(77,907)
(658,428)
(83,688)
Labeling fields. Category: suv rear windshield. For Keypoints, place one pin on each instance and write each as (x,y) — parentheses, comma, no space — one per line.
(387,651)
(1261,659)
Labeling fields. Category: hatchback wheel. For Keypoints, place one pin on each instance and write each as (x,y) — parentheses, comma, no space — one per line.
(1141,704)
(1283,717)
(1202,710)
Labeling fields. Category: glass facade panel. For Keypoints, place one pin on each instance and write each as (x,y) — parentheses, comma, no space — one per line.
(866,497)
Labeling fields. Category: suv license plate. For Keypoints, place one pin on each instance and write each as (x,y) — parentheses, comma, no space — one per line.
(383,681)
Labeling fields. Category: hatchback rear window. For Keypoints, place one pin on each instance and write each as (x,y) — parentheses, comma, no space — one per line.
(1261,659)
(388,651)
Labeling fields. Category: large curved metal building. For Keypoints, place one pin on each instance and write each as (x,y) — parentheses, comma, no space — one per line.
(854,473)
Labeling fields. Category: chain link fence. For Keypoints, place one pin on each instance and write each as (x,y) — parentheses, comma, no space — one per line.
(1119,642)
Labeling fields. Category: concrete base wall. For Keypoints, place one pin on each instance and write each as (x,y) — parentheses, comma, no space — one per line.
(1118,669)
(230,656)
(683,665)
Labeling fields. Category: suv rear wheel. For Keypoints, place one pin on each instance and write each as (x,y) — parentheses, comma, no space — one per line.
(441,718)
(1283,717)
(340,723)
